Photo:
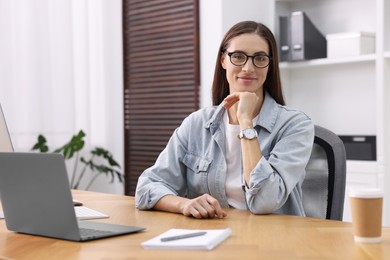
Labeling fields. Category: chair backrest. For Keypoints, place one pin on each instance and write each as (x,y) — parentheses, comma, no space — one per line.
(324,184)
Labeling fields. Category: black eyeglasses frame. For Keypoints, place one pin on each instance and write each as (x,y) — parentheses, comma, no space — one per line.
(247,57)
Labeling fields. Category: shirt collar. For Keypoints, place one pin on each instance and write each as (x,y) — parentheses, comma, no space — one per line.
(268,113)
(217,117)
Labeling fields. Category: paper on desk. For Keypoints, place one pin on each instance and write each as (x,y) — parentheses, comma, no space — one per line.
(83,213)
(206,242)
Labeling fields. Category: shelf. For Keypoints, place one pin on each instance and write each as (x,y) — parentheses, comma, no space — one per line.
(327,62)
(289,1)
(362,166)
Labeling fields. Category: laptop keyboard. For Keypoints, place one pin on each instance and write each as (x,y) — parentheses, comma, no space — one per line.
(91,233)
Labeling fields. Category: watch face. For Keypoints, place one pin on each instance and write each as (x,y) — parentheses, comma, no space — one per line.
(249,133)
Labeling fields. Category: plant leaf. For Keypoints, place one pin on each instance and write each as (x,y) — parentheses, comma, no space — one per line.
(104,169)
(101,152)
(41,144)
(75,144)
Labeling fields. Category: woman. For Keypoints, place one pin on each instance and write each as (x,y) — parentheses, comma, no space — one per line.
(205,167)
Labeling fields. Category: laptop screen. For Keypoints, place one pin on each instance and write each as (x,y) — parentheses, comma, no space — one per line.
(5,139)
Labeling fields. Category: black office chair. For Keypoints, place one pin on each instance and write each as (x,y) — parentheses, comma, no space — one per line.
(324,185)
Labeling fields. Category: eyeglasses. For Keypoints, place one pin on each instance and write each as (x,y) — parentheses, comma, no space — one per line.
(240,58)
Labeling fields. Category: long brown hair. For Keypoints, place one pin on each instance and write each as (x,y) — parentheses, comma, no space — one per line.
(272,83)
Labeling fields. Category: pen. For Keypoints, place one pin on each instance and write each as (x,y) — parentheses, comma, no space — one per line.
(172,238)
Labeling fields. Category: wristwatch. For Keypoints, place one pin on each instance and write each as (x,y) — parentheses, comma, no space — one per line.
(248,133)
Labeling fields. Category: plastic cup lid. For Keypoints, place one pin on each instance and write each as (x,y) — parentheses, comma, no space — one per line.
(366,193)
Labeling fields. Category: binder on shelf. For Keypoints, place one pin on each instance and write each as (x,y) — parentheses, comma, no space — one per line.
(305,41)
(284,38)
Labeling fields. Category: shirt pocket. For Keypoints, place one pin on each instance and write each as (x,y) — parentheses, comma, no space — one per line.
(197,164)
(197,173)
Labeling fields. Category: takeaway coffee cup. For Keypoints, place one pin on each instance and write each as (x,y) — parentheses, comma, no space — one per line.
(366,207)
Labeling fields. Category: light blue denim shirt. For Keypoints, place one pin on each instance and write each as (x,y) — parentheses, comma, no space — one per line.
(193,162)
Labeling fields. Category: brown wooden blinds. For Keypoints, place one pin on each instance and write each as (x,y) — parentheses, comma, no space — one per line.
(161,77)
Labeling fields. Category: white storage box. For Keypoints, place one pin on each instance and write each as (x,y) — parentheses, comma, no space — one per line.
(350,44)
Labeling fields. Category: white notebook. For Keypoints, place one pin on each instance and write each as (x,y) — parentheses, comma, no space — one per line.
(208,241)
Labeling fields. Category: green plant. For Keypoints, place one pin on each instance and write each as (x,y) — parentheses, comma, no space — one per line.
(73,148)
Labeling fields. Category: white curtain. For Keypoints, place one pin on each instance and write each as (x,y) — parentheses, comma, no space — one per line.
(61,71)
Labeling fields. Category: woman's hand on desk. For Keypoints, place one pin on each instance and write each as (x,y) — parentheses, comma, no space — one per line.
(204,206)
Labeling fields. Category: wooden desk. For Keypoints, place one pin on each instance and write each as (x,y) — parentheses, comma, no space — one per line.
(254,237)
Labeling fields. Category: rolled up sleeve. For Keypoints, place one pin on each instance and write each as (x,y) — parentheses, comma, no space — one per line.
(278,176)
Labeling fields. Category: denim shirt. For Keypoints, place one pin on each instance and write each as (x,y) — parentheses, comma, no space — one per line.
(193,162)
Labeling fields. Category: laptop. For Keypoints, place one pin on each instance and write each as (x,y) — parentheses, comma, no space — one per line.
(5,139)
(36,199)
(82,212)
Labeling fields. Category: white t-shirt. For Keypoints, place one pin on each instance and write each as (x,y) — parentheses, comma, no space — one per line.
(234,180)
(233,184)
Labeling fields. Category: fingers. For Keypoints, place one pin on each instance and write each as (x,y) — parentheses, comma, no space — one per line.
(204,206)
(216,207)
(218,211)
(231,100)
(248,97)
